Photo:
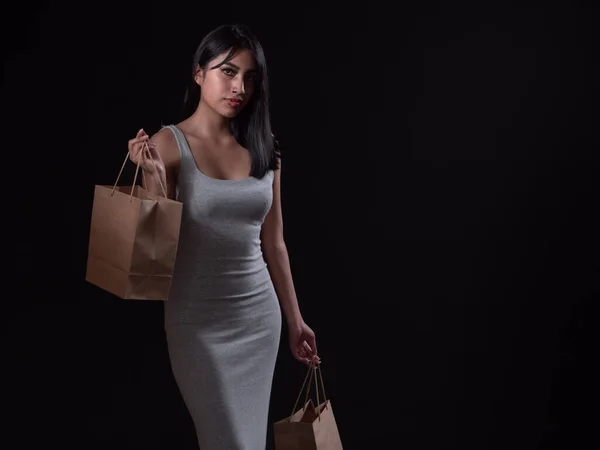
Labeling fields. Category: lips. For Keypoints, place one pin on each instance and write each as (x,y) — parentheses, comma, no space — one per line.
(234,102)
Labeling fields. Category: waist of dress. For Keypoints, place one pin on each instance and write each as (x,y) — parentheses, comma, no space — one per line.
(225,275)
(232,302)
(201,265)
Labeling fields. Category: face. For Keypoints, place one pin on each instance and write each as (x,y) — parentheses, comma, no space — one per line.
(228,88)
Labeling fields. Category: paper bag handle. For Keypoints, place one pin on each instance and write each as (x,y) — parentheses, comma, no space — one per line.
(136,174)
(312,371)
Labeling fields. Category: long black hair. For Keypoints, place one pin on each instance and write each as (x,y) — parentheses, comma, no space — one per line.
(252,126)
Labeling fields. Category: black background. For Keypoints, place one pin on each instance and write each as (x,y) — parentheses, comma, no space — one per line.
(439,208)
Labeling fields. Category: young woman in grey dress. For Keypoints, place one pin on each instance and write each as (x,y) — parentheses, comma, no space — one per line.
(232,274)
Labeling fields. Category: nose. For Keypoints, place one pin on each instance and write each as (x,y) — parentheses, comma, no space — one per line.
(238,85)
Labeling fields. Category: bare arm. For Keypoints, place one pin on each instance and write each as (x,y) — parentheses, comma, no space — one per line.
(302,339)
(277,258)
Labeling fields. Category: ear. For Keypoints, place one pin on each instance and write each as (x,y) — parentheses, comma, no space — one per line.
(198,76)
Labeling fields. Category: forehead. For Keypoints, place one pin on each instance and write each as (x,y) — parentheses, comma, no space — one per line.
(242,59)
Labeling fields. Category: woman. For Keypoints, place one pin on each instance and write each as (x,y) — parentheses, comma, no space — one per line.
(232,274)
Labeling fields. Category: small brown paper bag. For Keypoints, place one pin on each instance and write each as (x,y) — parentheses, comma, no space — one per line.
(133,242)
(309,428)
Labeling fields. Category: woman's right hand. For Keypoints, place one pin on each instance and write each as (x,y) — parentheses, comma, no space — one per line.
(142,151)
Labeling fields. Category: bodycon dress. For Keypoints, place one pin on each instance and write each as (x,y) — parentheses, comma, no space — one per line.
(223,318)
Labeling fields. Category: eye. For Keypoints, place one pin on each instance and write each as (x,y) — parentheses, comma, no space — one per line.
(227,71)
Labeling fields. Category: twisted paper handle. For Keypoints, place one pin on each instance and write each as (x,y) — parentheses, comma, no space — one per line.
(312,371)
(136,174)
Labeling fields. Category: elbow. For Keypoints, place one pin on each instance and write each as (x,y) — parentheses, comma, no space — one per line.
(274,247)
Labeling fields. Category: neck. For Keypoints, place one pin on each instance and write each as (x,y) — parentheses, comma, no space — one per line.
(208,123)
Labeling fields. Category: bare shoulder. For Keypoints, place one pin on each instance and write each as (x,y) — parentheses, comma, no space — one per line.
(166,144)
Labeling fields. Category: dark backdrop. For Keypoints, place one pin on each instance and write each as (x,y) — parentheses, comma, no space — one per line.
(439,213)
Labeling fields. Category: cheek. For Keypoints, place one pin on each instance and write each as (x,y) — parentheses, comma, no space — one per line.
(216,87)
(223,84)
(214,84)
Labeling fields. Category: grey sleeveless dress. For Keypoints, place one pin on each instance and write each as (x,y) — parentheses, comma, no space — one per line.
(223,318)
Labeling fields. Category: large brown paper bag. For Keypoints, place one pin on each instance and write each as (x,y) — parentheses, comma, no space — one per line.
(309,428)
(133,242)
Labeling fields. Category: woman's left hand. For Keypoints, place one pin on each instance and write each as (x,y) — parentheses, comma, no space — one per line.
(303,344)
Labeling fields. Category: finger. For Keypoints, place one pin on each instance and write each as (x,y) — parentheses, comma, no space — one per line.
(301,358)
(142,147)
(310,358)
(141,132)
(310,351)
(138,140)
(135,147)
(301,355)
(313,344)
(146,150)
(307,348)
(136,152)
(305,360)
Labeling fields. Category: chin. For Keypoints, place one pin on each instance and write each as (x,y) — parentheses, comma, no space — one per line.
(230,114)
